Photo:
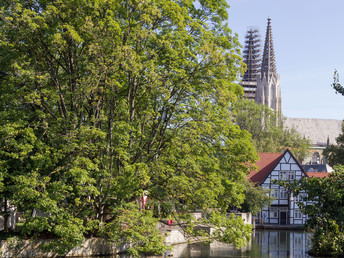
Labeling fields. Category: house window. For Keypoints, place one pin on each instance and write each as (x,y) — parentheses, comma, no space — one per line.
(283,194)
(291,175)
(274,193)
(283,175)
(297,214)
(273,212)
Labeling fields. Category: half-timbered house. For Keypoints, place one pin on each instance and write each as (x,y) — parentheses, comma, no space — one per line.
(271,168)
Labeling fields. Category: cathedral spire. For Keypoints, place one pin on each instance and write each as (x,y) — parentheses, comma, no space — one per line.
(268,61)
(268,82)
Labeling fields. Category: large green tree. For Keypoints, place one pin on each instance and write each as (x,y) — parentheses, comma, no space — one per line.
(267,130)
(103,100)
(322,200)
(335,153)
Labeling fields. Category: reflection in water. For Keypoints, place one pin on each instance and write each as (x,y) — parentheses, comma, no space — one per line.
(280,243)
(265,243)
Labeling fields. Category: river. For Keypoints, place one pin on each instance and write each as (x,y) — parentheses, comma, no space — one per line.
(267,243)
(264,243)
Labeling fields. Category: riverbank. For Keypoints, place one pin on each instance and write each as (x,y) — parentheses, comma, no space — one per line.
(15,247)
(265,243)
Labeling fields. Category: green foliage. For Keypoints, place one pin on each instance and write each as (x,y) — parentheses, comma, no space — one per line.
(136,228)
(324,205)
(256,198)
(229,229)
(266,127)
(335,153)
(103,100)
(336,85)
(166,209)
(328,238)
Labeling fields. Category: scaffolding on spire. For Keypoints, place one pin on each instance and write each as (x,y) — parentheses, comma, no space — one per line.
(252,59)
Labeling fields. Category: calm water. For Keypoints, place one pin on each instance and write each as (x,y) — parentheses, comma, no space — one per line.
(267,243)
(293,244)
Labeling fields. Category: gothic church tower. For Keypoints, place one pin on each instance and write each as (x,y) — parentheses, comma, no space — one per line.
(268,81)
(261,81)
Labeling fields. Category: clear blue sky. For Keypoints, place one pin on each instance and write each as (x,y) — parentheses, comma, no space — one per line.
(308,38)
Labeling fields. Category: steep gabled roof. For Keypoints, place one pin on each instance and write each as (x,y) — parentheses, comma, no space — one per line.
(266,163)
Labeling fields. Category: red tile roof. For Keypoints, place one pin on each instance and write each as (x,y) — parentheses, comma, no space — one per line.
(318,174)
(267,162)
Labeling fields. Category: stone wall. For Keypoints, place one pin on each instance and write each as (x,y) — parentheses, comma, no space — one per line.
(174,235)
(26,248)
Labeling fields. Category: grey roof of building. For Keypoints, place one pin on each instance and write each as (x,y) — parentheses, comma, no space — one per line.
(316,130)
(317,168)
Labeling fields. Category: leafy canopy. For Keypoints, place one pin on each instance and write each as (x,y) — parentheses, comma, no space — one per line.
(335,153)
(267,130)
(322,201)
(103,100)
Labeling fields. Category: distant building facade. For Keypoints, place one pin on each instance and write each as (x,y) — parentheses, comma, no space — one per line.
(320,132)
(261,81)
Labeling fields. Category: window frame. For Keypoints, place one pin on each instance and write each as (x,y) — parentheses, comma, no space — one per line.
(297,214)
(283,194)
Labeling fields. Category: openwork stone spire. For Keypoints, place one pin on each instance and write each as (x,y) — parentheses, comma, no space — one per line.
(268,82)
(268,62)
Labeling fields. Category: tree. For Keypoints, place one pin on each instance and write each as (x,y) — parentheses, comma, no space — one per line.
(266,127)
(335,153)
(256,198)
(102,101)
(336,85)
(322,201)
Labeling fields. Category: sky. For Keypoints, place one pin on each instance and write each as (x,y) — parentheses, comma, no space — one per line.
(308,37)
